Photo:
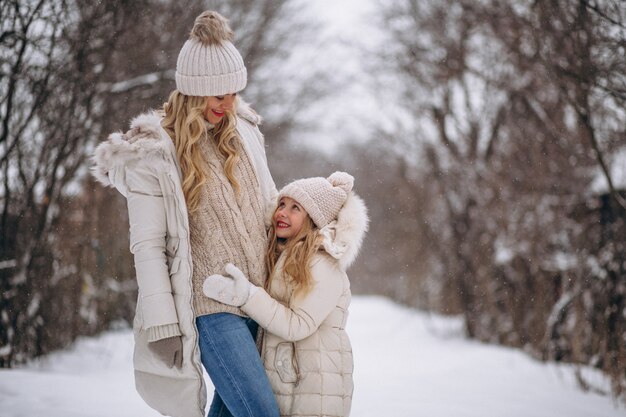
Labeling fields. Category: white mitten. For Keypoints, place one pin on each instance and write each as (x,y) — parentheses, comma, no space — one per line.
(234,292)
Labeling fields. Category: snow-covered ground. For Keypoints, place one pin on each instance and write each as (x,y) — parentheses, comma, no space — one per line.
(407,364)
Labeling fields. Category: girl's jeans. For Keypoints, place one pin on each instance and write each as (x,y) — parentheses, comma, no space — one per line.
(230,356)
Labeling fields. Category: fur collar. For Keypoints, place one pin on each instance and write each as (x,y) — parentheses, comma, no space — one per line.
(342,238)
(247,113)
(146,139)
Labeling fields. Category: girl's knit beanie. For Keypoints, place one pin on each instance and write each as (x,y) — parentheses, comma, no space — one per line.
(322,198)
(209,64)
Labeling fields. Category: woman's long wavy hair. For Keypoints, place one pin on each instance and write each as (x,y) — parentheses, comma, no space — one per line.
(184,122)
(299,251)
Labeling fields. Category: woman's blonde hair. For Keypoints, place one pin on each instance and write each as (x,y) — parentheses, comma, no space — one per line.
(299,251)
(185,123)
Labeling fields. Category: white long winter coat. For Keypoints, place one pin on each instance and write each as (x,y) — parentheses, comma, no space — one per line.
(143,166)
(306,350)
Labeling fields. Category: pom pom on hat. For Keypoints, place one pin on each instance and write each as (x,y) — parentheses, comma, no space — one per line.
(322,198)
(211,28)
(208,63)
(342,180)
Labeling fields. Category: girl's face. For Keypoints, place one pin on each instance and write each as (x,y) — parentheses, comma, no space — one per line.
(288,218)
(216,107)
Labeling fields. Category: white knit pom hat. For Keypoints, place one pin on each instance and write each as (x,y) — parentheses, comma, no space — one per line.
(209,64)
(322,198)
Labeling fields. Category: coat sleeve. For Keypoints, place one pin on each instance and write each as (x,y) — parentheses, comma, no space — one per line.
(304,314)
(146,212)
(270,193)
(255,143)
(271,202)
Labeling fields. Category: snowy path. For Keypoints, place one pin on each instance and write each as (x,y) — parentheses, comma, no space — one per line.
(408,364)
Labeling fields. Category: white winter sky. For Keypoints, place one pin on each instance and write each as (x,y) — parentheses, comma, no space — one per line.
(349,32)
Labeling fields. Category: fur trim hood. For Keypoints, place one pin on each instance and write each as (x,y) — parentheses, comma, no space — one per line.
(146,139)
(342,238)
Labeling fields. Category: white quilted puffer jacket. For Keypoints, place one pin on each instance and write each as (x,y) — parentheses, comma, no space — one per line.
(306,350)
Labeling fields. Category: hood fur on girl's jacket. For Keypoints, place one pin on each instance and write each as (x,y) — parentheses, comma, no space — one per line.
(342,238)
(145,139)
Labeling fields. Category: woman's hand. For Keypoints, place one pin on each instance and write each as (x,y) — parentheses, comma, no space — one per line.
(169,350)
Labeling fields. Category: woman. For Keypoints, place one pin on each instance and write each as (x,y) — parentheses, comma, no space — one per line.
(198,188)
(316,233)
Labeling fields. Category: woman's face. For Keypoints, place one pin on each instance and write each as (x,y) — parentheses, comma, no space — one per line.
(217,106)
(288,218)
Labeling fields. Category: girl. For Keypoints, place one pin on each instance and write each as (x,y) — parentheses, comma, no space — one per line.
(316,232)
(198,186)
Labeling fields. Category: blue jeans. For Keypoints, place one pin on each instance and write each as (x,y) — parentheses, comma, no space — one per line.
(230,356)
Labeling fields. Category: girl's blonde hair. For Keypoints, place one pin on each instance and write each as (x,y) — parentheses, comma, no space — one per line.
(184,122)
(299,251)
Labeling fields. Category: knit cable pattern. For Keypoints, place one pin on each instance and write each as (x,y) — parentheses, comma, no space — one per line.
(228,227)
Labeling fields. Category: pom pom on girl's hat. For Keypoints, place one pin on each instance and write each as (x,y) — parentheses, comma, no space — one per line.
(322,198)
(209,64)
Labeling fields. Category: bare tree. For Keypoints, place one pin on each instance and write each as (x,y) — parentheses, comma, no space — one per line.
(518,107)
(71,72)
(53,54)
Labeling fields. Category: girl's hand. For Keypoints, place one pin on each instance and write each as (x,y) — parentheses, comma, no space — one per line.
(231,291)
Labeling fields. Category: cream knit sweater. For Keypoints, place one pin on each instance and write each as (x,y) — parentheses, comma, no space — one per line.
(227,227)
